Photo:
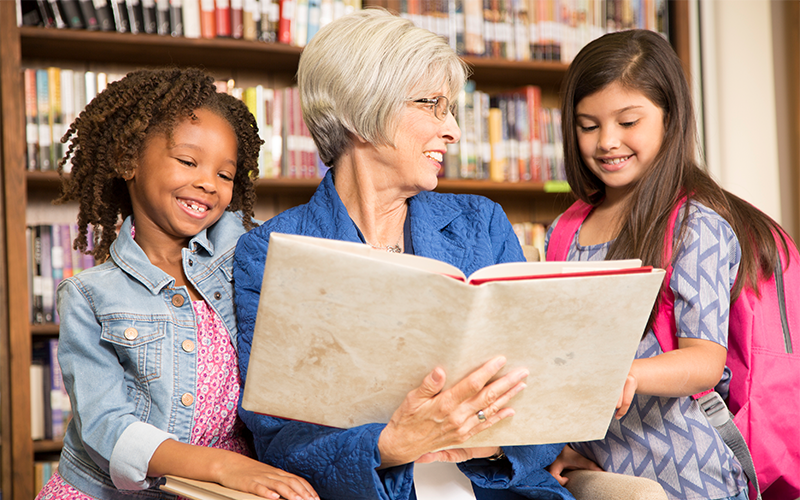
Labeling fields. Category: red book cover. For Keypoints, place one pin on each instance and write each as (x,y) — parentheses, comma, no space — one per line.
(285,22)
(223,18)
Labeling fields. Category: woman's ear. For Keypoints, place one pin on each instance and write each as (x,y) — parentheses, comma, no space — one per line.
(127,174)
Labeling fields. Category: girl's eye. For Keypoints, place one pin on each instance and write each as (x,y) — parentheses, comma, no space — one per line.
(226,176)
(587,128)
(188,163)
(629,124)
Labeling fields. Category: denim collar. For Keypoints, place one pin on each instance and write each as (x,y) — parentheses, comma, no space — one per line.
(130,257)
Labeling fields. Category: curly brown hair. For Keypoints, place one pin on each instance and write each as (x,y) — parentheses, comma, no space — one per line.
(105,141)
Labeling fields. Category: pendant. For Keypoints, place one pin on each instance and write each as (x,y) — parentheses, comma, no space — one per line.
(394,249)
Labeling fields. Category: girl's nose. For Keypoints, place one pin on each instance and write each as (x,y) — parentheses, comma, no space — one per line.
(608,140)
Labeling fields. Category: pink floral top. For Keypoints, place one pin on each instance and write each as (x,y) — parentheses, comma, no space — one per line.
(216,424)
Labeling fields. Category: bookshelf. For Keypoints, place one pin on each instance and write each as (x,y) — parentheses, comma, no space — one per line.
(522,201)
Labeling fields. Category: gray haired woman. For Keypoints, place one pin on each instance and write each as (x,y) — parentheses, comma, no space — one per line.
(376,94)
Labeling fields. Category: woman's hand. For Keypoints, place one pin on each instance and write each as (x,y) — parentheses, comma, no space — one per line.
(568,460)
(459,454)
(430,420)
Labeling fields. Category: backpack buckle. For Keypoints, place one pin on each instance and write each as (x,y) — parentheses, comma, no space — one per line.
(715,408)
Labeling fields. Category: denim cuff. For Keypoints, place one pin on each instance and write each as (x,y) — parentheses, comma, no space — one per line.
(132,453)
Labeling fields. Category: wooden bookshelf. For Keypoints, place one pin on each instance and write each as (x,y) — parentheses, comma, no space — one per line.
(522,201)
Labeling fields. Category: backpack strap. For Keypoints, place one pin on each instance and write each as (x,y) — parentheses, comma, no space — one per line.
(564,231)
(712,404)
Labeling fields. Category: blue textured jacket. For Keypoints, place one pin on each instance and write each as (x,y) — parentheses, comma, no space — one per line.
(467,231)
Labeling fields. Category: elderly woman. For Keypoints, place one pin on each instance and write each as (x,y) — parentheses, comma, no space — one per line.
(376,94)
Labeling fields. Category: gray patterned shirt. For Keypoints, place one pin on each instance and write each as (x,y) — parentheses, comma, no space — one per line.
(669,439)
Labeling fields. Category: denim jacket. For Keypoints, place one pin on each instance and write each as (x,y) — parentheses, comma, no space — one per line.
(128,370)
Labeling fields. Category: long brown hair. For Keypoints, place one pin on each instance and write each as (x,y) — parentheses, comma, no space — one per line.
(644,61)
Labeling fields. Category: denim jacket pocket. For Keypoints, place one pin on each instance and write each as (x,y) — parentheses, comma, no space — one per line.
(139,344)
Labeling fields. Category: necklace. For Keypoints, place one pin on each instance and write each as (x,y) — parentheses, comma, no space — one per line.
(389,248)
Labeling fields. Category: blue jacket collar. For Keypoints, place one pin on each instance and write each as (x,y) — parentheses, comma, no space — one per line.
(429,222)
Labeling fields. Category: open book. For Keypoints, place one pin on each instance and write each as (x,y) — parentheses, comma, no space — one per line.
(344,332)
(202,490)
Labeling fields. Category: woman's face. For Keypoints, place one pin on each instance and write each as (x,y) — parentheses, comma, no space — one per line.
(421,140)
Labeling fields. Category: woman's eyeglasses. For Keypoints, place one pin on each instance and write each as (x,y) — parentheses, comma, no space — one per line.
(439,104)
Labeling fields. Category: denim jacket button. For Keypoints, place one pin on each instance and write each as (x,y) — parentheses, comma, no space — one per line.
(217,295)
(187,399)
(187,345)
(177,300)
(131,333)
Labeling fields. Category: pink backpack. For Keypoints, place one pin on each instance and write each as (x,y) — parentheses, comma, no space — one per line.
(764,398)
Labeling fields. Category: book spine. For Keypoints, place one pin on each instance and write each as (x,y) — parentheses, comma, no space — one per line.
(105,17)
(68,107)
(223,18)
(208,26)
(31,124)
(59,18)
(120,11)
(35,270)
(250,18)
(48,297)
(43,120)
(149,18)
(192,19)
(163,18)
(46,13)
(237,19)
(71,13)
(285,25)
(89,15)
(176,17)
(135,16)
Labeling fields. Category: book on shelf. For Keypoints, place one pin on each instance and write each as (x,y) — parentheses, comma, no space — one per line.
(50,407)
(163,18)
(105,16)
(89,14)
(149,19)
(192,18)
(352,347)
(175,17)
(31,117)
(71,13)
(135,16)
(251,16)
(202,490)
(222,21)
(237,19)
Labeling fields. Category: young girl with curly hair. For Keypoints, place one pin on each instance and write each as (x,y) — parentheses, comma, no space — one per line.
(147,342)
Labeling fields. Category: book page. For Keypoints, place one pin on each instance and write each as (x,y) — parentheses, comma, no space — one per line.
(340,339)
(202,490)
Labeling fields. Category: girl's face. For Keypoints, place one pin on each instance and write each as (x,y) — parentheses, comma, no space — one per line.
(183,185)
(421,141)
(619,135)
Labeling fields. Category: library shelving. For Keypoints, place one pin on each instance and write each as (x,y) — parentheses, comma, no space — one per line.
(22,190)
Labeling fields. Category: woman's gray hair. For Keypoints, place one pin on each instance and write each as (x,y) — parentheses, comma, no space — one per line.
(357,73)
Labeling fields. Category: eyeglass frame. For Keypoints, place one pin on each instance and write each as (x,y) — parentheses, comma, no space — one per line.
(435,102)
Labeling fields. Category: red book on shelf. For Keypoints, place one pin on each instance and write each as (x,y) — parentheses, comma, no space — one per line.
(286,21)
(208,27)
(223,18)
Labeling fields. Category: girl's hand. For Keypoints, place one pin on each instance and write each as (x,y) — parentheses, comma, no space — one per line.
(430,420)
(245,474)
(228,469)
(626,398)
(568,460)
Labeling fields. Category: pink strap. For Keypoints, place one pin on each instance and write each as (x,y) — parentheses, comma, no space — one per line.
(564,231)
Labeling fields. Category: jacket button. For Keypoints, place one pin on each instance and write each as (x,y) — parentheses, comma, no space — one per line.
(131,333)
(217,295)
(191,262)
(177,300)
(187,345)
(187,399)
